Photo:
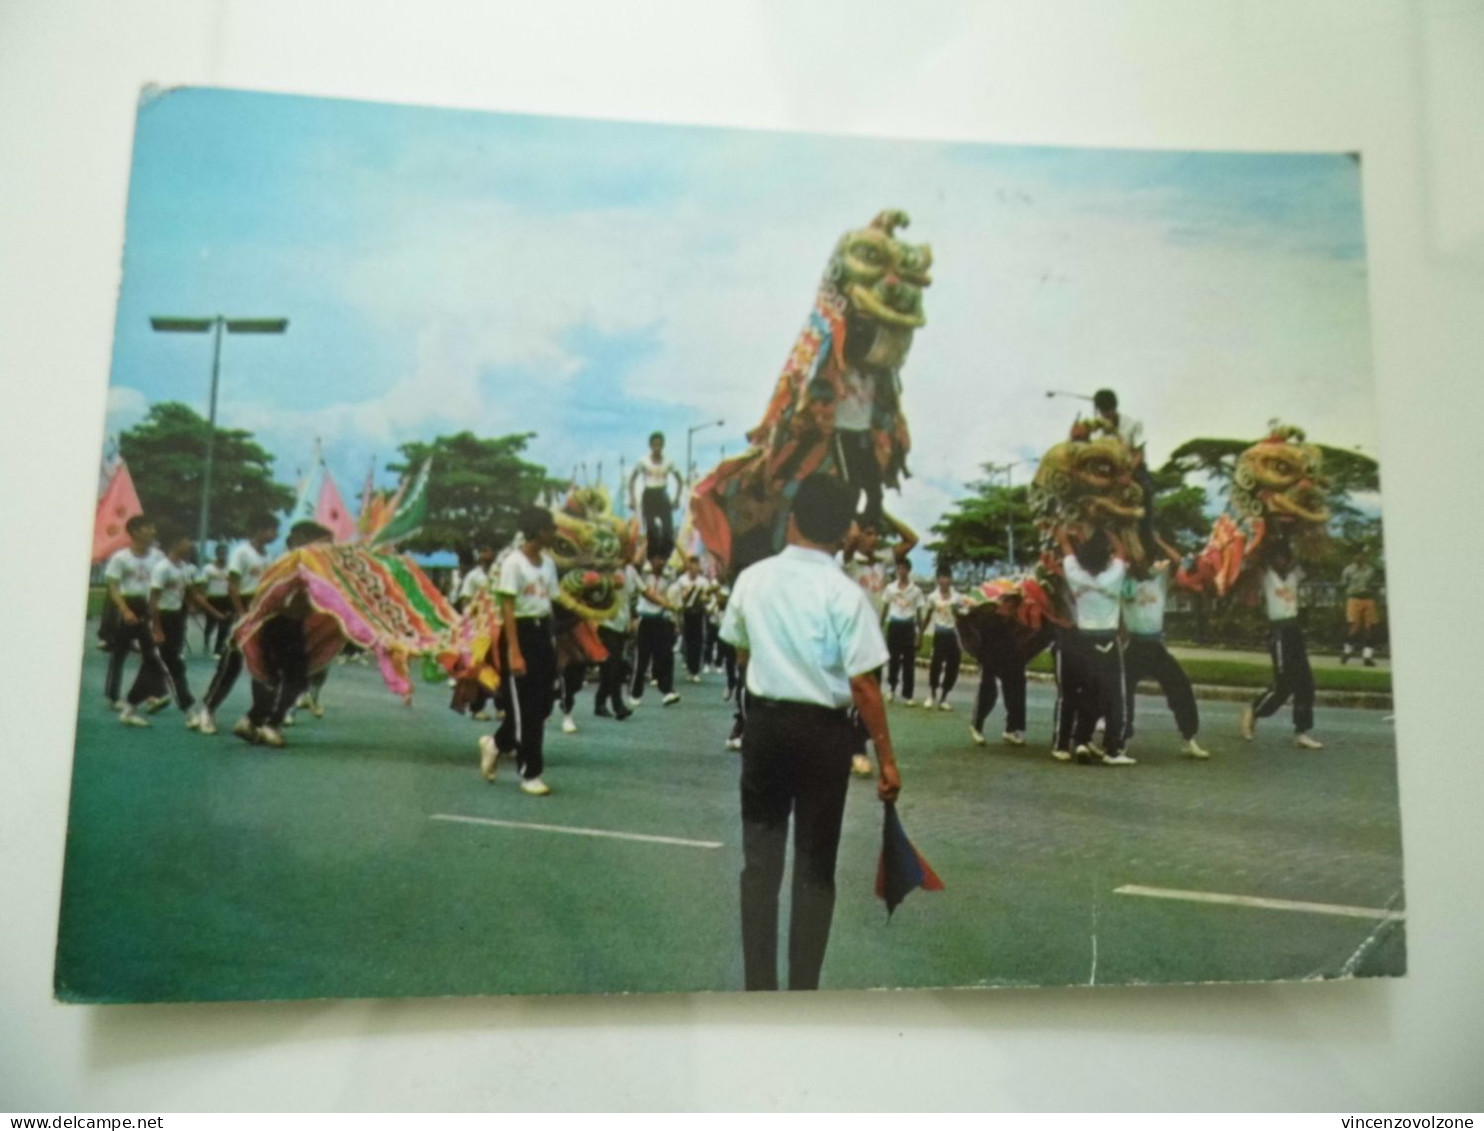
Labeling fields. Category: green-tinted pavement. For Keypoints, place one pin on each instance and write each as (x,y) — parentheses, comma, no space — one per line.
(202,868)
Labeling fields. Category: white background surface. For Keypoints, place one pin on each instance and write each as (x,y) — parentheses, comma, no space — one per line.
(1404,83)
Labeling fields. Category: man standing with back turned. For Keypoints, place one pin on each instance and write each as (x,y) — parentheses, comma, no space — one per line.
(810,642)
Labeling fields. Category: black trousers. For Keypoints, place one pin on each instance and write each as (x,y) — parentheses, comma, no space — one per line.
(528,698)
(1102,689)
(222,629)
(948,653)
(1071,675)
(726,656)
(711,653)
(573,676)
(693,639)
(149,681)
(286,660)
(901,644)
(659,528)
(228,668)
(858,457)
(1292,676)
(656,648)
(1005,672)
(1146,657)
(615,670)
(795,762)
(174,626)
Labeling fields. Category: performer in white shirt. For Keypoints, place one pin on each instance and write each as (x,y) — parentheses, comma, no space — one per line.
(1091,667)
(656,635)
(128,576)
(944,608)
(614,633)
(214,587)
(245,566)
(1292,675)
(906,608)
(173,592)
(689,594)
(656,504)
(1145,656)
(809,641)
(528,659)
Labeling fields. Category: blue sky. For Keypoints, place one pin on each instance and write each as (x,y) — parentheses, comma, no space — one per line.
(448,270)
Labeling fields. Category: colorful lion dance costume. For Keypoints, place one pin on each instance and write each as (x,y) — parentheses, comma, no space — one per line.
(837,406)
(591,548)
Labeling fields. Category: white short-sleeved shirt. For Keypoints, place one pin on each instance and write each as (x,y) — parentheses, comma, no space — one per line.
(946,607)
(628,585)
(807,626)
(1130,431)
(532,584)
(651,580)
(172,581)
(248,565)
(131,572)
(473,582)
(1144,600)
(1281,594)
(1096,599)
(871,575)
(904,602)
(689,593)
(656,475)
(853,409)
(215,577)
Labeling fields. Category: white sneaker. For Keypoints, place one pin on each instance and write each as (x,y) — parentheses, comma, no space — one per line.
(305,702)
(288,718)
(130,718)
(534,786)
(693,679)
(118,705)
(1061,755)
(489,757)
(270,736)
(670,698)
(891,696)
(929,703)
(1088,755)
(157,704)
(1193,749)
(734,744)
(193,720)
(634,704)
(1248,723)
(1119,759)
(480,716)
(207,724)
(1306,741)
(908,701)
(244,729)
(568,726)
(1013,738)
(977,735)
(316,710)
(945,706)
(860,766)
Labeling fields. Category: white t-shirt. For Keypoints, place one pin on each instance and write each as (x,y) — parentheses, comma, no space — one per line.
(904,602)
(131,572)
(215,577)
(945,608)
(656,581)
(808,627)
(1144,601)
(853,409)
(628,585)
(248,565)
(1096,599)
(1130,431)
(870,574)
(533,585)
(473,581)
(172,581)
(689,593)
(1281,594)
(656,475)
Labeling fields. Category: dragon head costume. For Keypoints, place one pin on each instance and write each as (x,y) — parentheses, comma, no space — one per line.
(852,348)
(1277,494)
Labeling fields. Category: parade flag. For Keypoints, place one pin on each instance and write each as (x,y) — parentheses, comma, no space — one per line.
(118,504)
(901,867)
(306,505)
(331,511)
(411,511)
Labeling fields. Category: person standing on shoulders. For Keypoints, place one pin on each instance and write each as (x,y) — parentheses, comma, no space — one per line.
(809,641)
(655,506)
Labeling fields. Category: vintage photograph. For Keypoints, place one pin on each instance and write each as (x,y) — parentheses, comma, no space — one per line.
(551,556)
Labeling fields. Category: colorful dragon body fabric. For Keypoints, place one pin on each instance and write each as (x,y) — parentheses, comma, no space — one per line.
(850,352)
(381,602)
(1277,494)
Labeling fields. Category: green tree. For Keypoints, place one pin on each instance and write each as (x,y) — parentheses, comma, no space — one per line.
(166,453)
(476,489)
(980,528)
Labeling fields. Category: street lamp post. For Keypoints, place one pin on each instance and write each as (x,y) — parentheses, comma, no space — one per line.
(689,436)
(216,324)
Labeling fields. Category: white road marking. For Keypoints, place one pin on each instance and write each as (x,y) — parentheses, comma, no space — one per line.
(1380,913)
(646,837)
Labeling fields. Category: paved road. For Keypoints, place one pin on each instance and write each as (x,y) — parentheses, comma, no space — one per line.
(204,868)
